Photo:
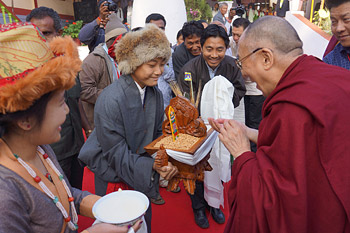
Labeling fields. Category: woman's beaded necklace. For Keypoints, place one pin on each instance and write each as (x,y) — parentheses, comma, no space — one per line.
(72,224)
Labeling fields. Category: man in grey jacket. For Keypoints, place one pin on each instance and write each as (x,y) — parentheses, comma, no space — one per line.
(220,16)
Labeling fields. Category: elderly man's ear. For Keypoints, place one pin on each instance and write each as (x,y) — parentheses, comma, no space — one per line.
(268,58)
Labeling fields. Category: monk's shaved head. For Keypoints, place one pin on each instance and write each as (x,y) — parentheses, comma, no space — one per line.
(273,32)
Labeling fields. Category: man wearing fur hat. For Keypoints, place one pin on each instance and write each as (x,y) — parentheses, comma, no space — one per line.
(128,116)
(99,68)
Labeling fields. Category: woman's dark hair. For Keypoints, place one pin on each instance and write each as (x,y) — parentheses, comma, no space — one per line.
(192,28)
(214,30)
(37,110)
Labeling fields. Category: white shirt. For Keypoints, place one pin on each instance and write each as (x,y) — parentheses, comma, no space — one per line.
(142,92)
(211,71)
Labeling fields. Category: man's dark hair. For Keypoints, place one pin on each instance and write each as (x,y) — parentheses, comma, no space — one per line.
(192,28)
(251,4)
(136,29)
(202,21)
(214,30)
(42,12)
(155,17)
(335,3)
(179,33)
(241,22)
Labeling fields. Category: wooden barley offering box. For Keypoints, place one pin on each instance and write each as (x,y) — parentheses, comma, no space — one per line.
(192,134)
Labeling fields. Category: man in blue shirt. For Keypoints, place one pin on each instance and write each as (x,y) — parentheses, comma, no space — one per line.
(340,17)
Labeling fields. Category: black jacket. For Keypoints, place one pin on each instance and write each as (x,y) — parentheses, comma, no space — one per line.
(199,70)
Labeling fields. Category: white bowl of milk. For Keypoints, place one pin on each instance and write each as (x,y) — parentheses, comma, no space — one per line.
(121,207)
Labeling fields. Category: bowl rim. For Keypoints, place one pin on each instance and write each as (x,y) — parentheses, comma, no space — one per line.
(124,192)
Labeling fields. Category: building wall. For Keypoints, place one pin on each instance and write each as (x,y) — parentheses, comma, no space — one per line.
(23,7)
(64,7)
(314,39)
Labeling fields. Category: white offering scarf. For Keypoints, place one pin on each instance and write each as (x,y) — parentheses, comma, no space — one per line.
(216,103)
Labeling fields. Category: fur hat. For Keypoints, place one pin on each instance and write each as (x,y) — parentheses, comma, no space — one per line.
(29,68)
(114,27)
(139,47)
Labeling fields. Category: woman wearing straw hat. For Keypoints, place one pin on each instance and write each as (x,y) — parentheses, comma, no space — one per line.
(34,194)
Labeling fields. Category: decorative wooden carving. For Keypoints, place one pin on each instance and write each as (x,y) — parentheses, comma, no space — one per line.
(187,118)
(188,122)
(189,174)
(161,159)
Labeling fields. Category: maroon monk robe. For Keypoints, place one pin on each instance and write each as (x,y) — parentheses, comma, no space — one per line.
(331,45)
(299,178)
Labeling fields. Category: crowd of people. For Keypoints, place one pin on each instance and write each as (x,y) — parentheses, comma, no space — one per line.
(291,168)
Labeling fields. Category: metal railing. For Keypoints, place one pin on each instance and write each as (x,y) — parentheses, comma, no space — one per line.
(7,15)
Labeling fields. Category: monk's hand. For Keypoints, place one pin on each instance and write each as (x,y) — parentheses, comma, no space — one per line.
(216,124)
(251,133)
(234,136)
(167,172)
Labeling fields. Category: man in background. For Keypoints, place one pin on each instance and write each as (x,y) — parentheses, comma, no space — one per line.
(220,16)
(212,62)
(93,33)
(253,99)
(282,7)
(190,48)
(99,68)
(72,139)
(47,20)
(238,26)
(340,14)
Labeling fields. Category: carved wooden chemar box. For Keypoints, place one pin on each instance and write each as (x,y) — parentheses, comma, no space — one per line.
(189,123)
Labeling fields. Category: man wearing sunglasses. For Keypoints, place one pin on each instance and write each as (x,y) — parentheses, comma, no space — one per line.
(299,178)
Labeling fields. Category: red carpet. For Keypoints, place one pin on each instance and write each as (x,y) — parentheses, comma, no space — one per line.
(173,217)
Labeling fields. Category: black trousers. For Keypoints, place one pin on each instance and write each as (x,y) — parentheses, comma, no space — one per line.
(73,171)
(197,199)
(253,106)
